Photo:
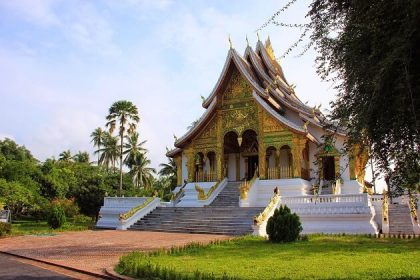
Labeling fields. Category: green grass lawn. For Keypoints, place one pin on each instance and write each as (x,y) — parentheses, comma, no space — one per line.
(321,257)
(31,226)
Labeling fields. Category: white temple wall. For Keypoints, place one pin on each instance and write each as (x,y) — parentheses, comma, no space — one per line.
(272,161)
(206,166)
(284,158)
(231,167)
(242,167)
(184,168)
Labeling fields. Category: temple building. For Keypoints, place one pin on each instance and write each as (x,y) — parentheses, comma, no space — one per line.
(255,148)
(255,123)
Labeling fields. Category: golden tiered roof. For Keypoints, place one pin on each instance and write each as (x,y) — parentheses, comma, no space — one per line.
(263,72)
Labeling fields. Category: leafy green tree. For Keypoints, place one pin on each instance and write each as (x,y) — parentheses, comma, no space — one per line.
(17,198)
(141,173)
(97,139)
(371,50)
(123,114)
(65,156)
(11,151)
(56,180)
(110,151)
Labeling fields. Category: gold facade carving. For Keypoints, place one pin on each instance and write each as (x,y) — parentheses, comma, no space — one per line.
(297,149)
(239,120)
(238,88)
(178,163)
(271,125)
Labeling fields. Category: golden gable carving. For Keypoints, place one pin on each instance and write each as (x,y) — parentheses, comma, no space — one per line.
(270,124)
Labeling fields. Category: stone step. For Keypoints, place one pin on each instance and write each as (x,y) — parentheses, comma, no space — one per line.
(400,219)
(192,231)
(222,216)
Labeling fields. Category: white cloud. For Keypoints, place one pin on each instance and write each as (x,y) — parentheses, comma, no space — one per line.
(40,12)
(163,73)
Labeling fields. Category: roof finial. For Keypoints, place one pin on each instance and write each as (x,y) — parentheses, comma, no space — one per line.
(230,43)
(247,42)
(258,36)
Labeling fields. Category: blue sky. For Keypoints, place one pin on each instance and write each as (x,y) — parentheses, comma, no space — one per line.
(63,63)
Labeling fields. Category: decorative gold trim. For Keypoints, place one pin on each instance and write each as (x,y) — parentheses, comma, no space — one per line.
(258,220)
(133,210)
(201,195)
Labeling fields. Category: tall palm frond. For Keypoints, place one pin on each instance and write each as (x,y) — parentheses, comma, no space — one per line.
(141,173)
(124,114)
(97,138)
(132,148)
(110,151)
(65,156)
(81,157)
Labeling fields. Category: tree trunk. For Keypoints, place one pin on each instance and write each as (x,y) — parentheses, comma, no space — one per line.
(121,163)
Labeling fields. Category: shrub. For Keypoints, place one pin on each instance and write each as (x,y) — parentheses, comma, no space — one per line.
(5,228)
(56,217)
(69,206)
(283,226)
(82,219)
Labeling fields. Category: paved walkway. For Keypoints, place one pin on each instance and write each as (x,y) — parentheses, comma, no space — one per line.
(12,269)
(94,251)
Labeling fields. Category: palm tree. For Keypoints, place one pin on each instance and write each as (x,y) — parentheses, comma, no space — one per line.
(142,174)
(168,170)
(65,156)
(110,151)
(81,157)
(124,114)
(97,137)
(132,148)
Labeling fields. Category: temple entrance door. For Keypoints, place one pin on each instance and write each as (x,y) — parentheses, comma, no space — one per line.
(231,153)
(252,166)
(328,168)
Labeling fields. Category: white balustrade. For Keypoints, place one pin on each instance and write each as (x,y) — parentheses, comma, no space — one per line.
(323,199)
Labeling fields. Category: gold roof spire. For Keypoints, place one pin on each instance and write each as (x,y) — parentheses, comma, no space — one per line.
(230,43)
(258,36)
(269,48)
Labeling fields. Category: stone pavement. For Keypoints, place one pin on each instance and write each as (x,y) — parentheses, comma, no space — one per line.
(12,268)
(93,251)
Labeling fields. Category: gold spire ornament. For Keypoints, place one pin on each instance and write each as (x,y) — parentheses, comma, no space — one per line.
(258,36)
(230,42)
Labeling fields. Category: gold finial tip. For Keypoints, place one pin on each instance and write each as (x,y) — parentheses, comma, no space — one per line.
(230,43)
(258,36)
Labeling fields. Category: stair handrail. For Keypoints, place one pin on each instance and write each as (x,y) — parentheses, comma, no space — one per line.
(385,211)
(132,211)
(178,195)
(264,215)
(201,195)
(412,204)
(137,213)
(245,186)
